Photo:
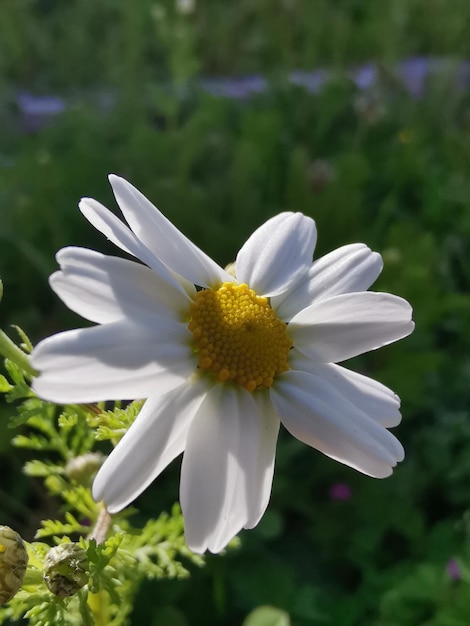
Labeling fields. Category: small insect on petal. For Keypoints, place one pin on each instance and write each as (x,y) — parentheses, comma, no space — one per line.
(13,562)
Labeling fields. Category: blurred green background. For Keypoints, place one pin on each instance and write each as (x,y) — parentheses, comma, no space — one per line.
(388,166)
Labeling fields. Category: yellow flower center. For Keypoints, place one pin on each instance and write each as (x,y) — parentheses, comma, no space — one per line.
(238,336)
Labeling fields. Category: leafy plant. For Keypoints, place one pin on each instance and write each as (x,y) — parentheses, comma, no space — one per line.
(103,561)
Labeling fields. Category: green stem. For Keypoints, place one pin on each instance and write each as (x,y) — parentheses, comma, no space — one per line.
(99,602)
(11,351)
(99,606)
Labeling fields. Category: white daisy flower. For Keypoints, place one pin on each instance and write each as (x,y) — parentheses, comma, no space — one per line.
(222,360)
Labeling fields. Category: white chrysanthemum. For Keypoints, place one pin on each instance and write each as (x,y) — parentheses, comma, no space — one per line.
(221,360)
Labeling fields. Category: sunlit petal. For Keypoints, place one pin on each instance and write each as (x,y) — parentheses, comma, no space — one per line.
(219,463)
(156,437)
(371,397)
(165,241)
(348,269)
(313,411)
(114,361)
(345,326)
(261,482)
(277,254)
(119,234)
(107,289)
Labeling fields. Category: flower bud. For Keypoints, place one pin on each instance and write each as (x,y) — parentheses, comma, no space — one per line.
(13,562)
(83,468)
(65,569)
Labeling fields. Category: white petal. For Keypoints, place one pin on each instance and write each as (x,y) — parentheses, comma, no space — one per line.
(344,326)
(218,466)
(371,397)
(166,242)
(345,270)
(113,361)
(313,411)
(122,237)
(277,254)
(262,481)
(106,289)
(156,437)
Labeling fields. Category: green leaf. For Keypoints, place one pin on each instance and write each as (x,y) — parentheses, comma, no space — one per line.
(58,528)
(14,371)
(33,442)
(27,346)
(85,613)
(42,468)
(114,424)
(5,386)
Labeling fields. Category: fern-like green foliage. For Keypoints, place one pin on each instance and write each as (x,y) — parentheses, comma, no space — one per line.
(112,425)
(119,556)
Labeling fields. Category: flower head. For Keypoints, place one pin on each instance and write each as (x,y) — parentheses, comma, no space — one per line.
(222,359)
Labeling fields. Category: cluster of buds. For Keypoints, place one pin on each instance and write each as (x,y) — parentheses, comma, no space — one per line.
(65,569)
(13,562)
